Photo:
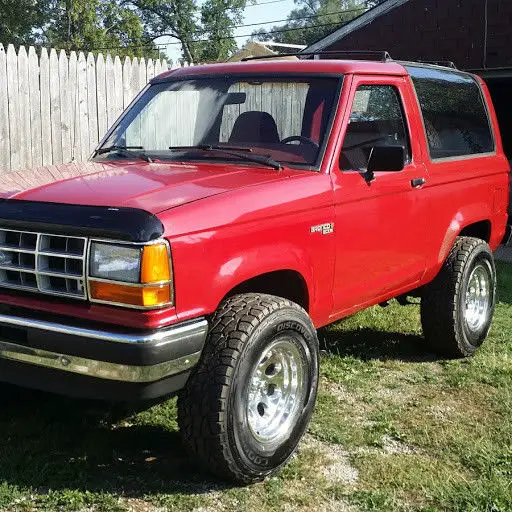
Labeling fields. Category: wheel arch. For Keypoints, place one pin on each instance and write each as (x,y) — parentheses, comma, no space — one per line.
(474,221)
(286,283)
(479,229)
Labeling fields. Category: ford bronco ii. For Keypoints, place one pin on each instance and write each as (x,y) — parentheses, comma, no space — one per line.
(231,211)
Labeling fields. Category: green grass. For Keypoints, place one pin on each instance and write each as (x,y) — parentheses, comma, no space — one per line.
(395,429)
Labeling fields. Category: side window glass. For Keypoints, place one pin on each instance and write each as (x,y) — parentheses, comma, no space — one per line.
(454,113)
(376,119)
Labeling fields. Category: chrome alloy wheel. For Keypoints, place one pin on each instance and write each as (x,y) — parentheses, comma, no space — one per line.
(479,294)
(276,391)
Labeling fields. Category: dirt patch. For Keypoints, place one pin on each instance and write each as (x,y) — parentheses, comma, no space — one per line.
(441,411)
(392,446)
(398,396)
(136,505)
(339,392)
(327,506)
(338,466)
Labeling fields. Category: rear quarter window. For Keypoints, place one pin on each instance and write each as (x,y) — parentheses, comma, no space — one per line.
(454,113)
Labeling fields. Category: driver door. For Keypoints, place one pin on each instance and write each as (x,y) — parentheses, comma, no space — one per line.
(380,224)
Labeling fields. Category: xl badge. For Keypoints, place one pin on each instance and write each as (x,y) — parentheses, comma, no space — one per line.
(325,229)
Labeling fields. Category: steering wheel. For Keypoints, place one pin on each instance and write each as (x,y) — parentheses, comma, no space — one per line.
(300,138)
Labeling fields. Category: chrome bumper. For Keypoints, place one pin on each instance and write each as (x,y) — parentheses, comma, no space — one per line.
(186,339)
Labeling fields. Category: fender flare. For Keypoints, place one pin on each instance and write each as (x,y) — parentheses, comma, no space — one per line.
(464,217)
(261,260)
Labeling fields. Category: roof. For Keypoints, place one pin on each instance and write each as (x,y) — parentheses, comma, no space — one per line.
(280,67)
(361,21)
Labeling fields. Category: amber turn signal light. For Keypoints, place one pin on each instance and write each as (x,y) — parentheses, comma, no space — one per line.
(155,266)
(141,296)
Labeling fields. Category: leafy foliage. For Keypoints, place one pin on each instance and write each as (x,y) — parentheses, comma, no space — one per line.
(96,25)
(314,19)
(217,19)
(125,27)
(175,18)
(18,19)
(191,22)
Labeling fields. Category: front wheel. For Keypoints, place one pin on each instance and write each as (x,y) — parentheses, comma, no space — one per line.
(249,401)
(458,306)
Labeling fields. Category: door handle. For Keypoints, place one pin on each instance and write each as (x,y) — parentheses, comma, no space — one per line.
(418,182)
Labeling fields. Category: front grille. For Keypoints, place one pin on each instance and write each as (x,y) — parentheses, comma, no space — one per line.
(42,262)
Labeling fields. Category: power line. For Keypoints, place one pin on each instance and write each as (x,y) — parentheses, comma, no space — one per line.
(279,31)
(163,45)
(309,16)
(265,3)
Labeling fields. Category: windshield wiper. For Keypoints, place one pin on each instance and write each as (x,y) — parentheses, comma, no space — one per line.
(208,147)
(125,151)
(240,152)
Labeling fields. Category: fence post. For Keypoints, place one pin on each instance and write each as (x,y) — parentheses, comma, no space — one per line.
(74,128)
(14,109)
(65,107)
(5,159)
(24,102)
(92,105)
(35,107)
(102,96)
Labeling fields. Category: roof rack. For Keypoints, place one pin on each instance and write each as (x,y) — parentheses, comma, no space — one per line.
(442,63)
(379,55)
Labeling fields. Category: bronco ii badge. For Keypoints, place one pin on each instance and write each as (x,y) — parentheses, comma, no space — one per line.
(325,229)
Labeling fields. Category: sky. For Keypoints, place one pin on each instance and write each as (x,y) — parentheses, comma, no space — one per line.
(254,13)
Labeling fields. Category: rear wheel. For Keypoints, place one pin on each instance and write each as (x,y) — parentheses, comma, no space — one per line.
(249,400)
(458,306)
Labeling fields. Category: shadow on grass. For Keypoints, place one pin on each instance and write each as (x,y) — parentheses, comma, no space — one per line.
(48,442)
(367,344)
(504,271)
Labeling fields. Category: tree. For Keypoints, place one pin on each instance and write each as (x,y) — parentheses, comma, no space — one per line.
(204,28)
(190,23)
(174,18)
(96,25)
(218,17)
(18,18)
(312,20)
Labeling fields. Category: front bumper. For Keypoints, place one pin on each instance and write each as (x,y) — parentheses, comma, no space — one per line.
(73,359)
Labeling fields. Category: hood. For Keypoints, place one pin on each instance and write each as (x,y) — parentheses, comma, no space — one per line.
(153,187)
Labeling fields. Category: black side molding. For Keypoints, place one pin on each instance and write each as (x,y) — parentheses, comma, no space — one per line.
(130,224)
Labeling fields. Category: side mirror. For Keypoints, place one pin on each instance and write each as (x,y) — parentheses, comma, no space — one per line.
(386,158)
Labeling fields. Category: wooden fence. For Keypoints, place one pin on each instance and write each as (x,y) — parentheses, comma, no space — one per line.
(54,108)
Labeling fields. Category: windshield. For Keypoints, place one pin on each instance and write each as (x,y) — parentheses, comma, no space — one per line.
(286,120)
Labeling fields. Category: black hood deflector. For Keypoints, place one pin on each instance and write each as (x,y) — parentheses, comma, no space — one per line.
(117,223)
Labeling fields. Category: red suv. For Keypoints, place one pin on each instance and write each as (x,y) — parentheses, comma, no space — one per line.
(231,211)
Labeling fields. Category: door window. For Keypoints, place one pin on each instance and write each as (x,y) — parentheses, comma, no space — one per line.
(376,119)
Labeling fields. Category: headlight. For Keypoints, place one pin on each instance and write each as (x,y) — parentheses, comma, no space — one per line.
(132,275)
(115,262)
